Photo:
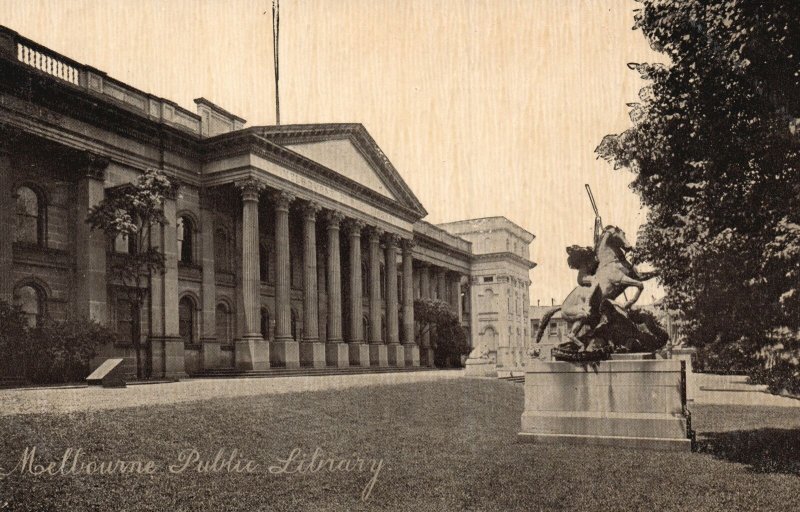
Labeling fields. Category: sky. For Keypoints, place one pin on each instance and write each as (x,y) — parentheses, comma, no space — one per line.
(485,107)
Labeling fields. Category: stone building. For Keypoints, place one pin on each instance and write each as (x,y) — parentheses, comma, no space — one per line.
(285,245)
(499,282)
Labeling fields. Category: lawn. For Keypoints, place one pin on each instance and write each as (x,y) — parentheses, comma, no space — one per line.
(444,446)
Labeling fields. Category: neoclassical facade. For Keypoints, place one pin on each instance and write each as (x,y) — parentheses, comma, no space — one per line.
(285,246)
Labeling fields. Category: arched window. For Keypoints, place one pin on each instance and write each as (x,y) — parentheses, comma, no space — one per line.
(186,310)
(222,252)
(185,239)
(263,263)
(31,301)
(294,325)
(222,314)
(264,323)
(30,210)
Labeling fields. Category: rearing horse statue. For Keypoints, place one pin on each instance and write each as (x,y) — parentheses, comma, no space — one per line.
(612,276)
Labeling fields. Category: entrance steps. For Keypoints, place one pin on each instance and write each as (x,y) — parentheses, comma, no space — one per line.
(229,373)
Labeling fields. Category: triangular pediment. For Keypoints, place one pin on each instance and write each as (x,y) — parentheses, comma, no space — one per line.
(343,157)
(346,150)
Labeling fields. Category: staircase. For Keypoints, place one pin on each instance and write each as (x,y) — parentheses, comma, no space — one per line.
(232,373)
(519,379)
(11,382)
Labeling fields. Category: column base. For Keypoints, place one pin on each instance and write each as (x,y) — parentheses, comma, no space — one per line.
(285,353)
(426,356)
(251,354)
(411,354)
(359,354)
(312,354)
(211,354)
(168,358)
(378,355)
(396,355)
(337,355)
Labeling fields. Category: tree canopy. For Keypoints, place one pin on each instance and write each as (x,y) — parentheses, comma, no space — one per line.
(715,151)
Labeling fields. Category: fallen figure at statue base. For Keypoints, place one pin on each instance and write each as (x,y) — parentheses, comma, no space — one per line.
(617,331)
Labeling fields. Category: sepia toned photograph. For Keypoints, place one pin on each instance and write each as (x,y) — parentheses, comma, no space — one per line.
(408,255)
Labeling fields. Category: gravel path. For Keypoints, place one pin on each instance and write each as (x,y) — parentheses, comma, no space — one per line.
(66,400)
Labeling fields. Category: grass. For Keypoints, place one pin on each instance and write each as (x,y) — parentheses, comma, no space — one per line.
(445,446)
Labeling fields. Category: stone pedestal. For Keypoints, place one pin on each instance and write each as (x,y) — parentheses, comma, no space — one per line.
(359,354)
(480,367)
(396,355)
(212,355)
(337,354)
(285,354)
(168,357)
(251,354)
(411,354)
(378,355)
(631,403)
(312,354)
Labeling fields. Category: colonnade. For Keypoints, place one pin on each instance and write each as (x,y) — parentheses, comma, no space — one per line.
(362,348)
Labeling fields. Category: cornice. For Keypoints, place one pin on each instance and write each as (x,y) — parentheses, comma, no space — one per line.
(503,256)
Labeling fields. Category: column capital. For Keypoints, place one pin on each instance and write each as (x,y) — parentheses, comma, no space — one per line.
(407,244)
(392,240)
(172,191)
(250,188)
(354,227)
(310,210)
(334,218)
(282,199)
(375,234)
(95,166)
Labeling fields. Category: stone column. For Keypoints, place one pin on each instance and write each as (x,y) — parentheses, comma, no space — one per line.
(359,352)
(396,352)
(409,342)
(312,352)
(7,223)
(90,245)
(378,354)
(425,352)
(455,293)
(441,284)
(251,351)
(285,350)
(211,354)
(167,346)
(336,351)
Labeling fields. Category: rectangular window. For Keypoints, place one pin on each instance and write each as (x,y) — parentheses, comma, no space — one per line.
(488,279)
(554,329)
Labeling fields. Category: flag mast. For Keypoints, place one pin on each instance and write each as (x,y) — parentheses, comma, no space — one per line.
(275,30)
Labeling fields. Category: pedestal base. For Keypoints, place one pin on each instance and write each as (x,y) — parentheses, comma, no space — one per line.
(636,403)
(312,354)
(337,355)
(396,355)
(168,357)
(480,367)
(211,354)
(285,353)
(359,354)
(378,355)
(411,354)
(251,354)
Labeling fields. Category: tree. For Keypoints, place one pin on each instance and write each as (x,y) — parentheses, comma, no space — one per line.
(715,153)
(448,338)
(129,213)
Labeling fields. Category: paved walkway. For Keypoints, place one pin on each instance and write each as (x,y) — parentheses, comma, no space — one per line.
(734,390)
(66,400)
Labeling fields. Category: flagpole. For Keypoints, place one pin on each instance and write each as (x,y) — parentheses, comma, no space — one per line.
(275,31)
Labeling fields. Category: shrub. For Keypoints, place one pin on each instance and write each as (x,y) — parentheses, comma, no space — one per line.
(727,358)
(59,352)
